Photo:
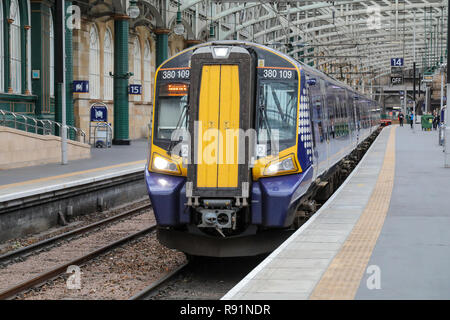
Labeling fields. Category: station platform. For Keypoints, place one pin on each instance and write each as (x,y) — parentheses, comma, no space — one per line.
(103,164)
(384,234)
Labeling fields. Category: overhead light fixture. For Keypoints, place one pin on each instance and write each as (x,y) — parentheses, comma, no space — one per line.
(179,28)
(133,10)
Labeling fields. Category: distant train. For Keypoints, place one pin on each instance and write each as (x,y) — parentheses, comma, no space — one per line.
(240,132)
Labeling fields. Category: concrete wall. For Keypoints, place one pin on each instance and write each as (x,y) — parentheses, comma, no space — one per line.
(39,212)
(22,149)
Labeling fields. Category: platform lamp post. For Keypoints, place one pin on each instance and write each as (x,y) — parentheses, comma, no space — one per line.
(60,74)
(446,122)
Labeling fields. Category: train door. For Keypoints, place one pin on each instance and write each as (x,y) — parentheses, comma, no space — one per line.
(351,117)
(357,118)
(315,115)
(218,117)
(326,94)
(220,113)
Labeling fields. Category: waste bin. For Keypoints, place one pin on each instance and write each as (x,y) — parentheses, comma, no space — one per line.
(427,122)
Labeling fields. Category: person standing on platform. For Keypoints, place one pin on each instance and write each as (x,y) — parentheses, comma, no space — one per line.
(435,120)
(411,117)
(400,118)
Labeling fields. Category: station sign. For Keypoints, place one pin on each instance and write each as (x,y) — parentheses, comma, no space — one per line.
(80,86)
(99,112)
(135,89)
(397,62)
(395,80)
(36,74)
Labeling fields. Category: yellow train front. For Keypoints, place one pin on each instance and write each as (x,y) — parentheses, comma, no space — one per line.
(228,164)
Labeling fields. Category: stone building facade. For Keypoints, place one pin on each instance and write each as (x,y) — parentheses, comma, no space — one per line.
(104,38)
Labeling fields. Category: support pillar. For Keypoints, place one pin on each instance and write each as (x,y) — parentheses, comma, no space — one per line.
(8,27)
(162,45)
(121,76)
(27,52)
(70,116)
(39,36)
(447,123)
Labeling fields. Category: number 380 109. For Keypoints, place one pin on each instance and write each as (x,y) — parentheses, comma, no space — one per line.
(274,73)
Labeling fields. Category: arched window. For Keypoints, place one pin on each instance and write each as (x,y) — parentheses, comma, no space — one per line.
(52,56)
(147,72)
(137,65)
(108,66)
(94,63)
(2,56)
(16,51)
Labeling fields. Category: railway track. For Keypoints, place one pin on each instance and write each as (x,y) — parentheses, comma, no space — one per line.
(17,254)
(49,272)
(147,292)
(60,269)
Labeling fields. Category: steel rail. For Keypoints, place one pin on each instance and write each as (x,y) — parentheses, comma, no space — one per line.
(41,244)
(142,295)
(55,272)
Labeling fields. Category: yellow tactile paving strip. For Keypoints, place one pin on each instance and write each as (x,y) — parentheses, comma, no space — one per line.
(72,174)
(342,278)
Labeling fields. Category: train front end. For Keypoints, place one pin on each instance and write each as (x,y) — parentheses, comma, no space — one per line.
(231,147)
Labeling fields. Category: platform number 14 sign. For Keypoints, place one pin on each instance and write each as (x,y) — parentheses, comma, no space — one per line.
(396,62)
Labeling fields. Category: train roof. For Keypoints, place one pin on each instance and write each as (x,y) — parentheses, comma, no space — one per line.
(300,64)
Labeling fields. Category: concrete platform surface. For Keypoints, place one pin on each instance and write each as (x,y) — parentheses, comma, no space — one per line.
(103,164)
(382,235)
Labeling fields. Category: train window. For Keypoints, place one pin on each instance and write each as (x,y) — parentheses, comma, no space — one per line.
(171,109)
(278,111)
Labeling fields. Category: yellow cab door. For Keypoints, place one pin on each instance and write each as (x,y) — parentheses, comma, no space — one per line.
(218,134)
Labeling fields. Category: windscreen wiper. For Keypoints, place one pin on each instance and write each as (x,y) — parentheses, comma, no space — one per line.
(179,122)
(264,119)
(277,103)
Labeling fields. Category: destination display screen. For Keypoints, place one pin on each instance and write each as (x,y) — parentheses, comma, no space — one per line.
(174,90)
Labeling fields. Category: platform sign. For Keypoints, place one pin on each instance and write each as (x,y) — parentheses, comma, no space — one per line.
(36,74)
(135,89)
(397,62)
(99,113)
(80,86)
(395,80)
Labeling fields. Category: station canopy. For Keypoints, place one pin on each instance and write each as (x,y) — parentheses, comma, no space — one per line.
(347,39)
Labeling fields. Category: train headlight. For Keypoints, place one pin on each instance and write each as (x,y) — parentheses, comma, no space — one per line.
(284,165)
(163,164)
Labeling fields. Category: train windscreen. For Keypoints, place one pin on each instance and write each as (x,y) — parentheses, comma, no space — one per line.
(173,99)
(276,110)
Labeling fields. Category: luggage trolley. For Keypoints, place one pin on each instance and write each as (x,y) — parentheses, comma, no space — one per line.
(100,131)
